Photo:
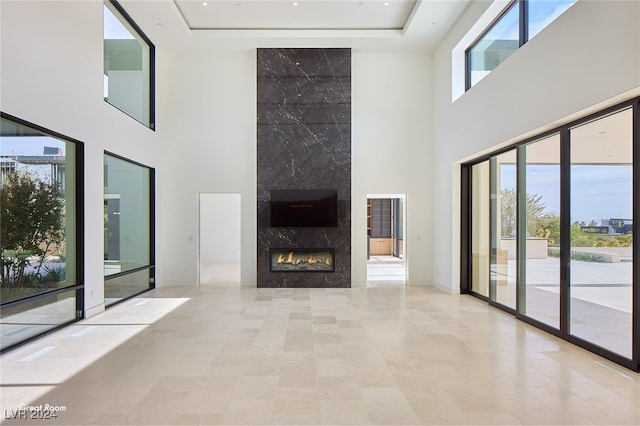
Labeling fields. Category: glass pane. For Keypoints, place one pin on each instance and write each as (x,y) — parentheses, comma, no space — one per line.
(38,226)
(126,67)
(601,239)
(542,217)
(480,228)
(126,215)
(29,319)
(503,259)
(543,12)
(118,288)
(496,45)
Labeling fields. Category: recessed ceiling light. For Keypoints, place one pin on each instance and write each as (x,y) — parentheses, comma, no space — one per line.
(204,3)
(386,3)
(295,3)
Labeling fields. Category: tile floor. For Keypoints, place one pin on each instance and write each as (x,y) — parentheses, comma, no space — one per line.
(383,270)
(378,355)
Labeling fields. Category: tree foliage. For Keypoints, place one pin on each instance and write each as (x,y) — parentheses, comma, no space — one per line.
(31,223)
(508,213)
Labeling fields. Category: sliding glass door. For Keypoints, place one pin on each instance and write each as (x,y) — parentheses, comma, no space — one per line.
(539,175)
(479,232)
(504,231)
(601,278)
(548,232)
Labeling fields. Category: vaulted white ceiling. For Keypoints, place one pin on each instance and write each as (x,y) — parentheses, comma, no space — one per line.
(238,24)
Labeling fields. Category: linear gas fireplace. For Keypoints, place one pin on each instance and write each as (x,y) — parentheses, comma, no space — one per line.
(302,260)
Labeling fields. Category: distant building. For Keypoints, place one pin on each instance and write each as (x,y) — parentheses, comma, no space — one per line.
(49,166)
(610,227)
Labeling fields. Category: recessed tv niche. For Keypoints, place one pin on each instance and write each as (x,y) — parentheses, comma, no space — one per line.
(304,208)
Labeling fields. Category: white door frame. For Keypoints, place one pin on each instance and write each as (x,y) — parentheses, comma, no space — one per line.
(403,197)
(199,234)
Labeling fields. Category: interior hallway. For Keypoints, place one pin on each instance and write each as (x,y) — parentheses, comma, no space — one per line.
(397,355)
(383,270)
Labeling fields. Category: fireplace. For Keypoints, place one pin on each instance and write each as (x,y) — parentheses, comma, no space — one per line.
(302,260)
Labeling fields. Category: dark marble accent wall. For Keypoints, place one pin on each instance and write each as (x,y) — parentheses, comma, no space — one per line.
(304,142)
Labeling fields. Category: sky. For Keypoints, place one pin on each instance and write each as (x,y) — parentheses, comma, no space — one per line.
(113,29)
(597,191)
(541,13)
(32,145)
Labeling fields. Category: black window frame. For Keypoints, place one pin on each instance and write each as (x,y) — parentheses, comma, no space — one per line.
(563,332)
(152,65)
(523,34)
(467,52)
(78,286)
(151,267)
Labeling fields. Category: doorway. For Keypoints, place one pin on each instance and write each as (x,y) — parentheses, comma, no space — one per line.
(219,240)
(386,254)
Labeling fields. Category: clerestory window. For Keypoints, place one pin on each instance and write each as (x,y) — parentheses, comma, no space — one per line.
(129,59)
(520,21)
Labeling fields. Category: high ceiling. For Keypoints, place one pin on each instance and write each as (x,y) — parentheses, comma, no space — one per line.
(243,24)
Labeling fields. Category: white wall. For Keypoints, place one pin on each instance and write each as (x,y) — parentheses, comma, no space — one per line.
(391,148)
(220,227)
(52,75)
(587,59)
(207,111)
(205,140)
(209,99)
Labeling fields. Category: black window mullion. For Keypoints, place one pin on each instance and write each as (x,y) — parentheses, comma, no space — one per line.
(466,229)
(524,22)
(152,227)
(636,229)
(521,229)
(493,238)
(565,231)
(467,71)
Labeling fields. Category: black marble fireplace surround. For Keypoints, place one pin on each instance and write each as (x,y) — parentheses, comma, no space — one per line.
(304,142)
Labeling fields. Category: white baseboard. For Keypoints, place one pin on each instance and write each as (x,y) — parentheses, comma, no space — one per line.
(446,289)
(93,311)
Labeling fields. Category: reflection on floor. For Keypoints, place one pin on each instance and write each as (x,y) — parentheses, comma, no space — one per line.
(234,355)
(383,270)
